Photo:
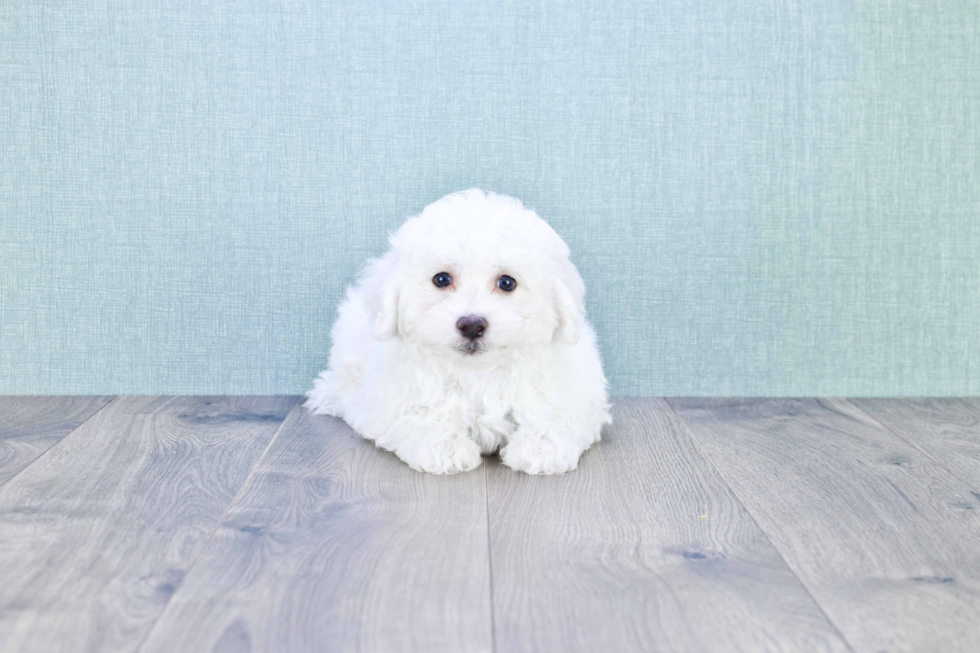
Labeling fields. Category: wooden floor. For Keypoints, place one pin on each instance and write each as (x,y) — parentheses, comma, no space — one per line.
(185,524)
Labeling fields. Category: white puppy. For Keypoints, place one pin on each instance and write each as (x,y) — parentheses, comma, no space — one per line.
(469,334)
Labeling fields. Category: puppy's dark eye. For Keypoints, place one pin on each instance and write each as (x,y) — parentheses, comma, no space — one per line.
(442,280)
(506,283)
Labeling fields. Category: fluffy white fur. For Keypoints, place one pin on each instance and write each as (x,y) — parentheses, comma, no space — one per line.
(402,375)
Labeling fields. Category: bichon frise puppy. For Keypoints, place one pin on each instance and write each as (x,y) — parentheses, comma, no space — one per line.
(468,335)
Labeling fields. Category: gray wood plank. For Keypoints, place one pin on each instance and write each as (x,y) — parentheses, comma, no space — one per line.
(337,545)
(96,535)
(643,548)
(29,426)
(946,430)
(885,539)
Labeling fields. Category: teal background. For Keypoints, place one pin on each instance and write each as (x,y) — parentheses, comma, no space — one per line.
(765,198)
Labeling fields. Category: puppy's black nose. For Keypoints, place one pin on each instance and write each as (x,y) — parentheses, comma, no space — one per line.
(471,326)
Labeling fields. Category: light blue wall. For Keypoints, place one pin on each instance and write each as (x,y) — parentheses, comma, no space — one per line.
(773,197)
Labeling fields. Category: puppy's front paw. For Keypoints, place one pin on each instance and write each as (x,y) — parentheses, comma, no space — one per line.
(540,455)
(437,455)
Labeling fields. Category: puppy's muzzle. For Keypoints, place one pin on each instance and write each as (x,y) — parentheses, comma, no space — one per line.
(471,327)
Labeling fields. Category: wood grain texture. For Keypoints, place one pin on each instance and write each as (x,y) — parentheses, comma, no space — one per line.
(96,535)
(946,430)
(29,426)
(336,545)
(643,548)
(885,539)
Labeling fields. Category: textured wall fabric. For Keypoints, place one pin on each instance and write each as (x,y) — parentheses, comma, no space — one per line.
(765,198)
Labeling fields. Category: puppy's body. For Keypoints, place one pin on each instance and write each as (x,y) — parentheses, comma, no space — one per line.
(406,373)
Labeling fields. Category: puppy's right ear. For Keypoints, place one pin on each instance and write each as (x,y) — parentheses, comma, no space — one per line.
(382,296)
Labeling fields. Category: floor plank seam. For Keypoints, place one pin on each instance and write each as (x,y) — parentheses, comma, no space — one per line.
(65,437)
(204,547)
(724,480)
(920,450)
(493,616)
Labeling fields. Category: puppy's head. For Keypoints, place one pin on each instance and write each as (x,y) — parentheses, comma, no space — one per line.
(473,274)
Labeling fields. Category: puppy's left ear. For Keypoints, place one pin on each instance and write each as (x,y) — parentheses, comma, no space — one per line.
(569,294)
